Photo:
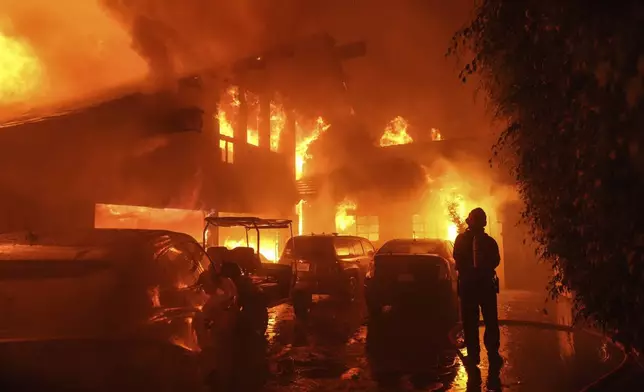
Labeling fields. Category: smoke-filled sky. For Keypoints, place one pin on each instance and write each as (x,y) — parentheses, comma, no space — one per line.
(87,46)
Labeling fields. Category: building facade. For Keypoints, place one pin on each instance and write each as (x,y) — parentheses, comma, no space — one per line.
(153,151)
(423,213)
(209,143)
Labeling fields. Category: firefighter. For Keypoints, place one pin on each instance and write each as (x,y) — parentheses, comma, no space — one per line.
(477,256)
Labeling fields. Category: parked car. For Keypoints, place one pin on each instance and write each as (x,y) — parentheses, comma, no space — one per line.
(112,310)
(327,264)
(414,273)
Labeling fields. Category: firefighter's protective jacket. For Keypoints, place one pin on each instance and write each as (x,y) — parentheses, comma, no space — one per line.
(477,256)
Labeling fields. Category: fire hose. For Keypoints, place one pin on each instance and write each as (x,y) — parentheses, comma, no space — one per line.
(595,385)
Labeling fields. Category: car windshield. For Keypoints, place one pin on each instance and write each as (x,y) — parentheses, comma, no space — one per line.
(413,247)
(312,246)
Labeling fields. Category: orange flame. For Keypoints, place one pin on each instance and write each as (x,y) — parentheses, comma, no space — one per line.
(225,124)
(252,125)
(229,109)
(452,227)
(396,133)
(21,72)
(252,136)
(344,219)
(450,196)
(299,210)
(267,246)
(436,135)
(225,127)
(112,216)
(301,150)
(233,93)
(278,122)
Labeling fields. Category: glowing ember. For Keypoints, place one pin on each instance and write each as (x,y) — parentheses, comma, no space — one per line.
(344,216)
(396,133)
(301,150)
(278,122)
(21,72)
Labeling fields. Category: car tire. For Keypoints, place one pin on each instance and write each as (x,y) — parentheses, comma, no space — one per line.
(302,303)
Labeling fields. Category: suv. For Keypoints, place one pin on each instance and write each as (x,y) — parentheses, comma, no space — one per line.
(327,264)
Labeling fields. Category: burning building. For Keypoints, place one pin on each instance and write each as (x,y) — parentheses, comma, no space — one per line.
(393,186)
(220,142)
(142,161)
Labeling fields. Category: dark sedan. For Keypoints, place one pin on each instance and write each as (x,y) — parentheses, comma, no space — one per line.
(416,275)
(112,310)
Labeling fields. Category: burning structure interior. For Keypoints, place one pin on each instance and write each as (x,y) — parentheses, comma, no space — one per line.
(221,142)
(393,186)
(245,141)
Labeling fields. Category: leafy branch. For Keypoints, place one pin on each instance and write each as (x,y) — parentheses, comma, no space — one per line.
(455,217)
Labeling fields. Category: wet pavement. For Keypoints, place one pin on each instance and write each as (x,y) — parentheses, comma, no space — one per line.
(337,349)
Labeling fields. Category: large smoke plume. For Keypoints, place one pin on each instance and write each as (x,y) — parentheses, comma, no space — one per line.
(357,166)
(87,46)
(179,37)
(79,49)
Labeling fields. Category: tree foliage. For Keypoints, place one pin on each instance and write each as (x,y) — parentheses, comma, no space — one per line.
(455,217)
(568,78)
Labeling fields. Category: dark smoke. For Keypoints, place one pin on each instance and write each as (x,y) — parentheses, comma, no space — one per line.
(404,73)
(359,168)
(175,37)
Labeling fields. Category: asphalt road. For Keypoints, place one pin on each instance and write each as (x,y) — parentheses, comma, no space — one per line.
(337,349)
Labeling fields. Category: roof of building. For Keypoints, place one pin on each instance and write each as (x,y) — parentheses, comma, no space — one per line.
(78,105)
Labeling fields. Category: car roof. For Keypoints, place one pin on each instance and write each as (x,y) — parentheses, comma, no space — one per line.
(85,244)
(418,240)
(330,235)
(249,222)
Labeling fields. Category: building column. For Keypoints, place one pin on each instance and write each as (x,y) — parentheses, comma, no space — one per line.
(288,141)
(210,106)
(265,119)
(213,233)
(240,128)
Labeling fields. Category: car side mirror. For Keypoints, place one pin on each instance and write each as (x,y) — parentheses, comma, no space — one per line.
(370,253)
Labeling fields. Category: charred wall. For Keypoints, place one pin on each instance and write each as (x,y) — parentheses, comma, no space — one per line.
(54,170)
